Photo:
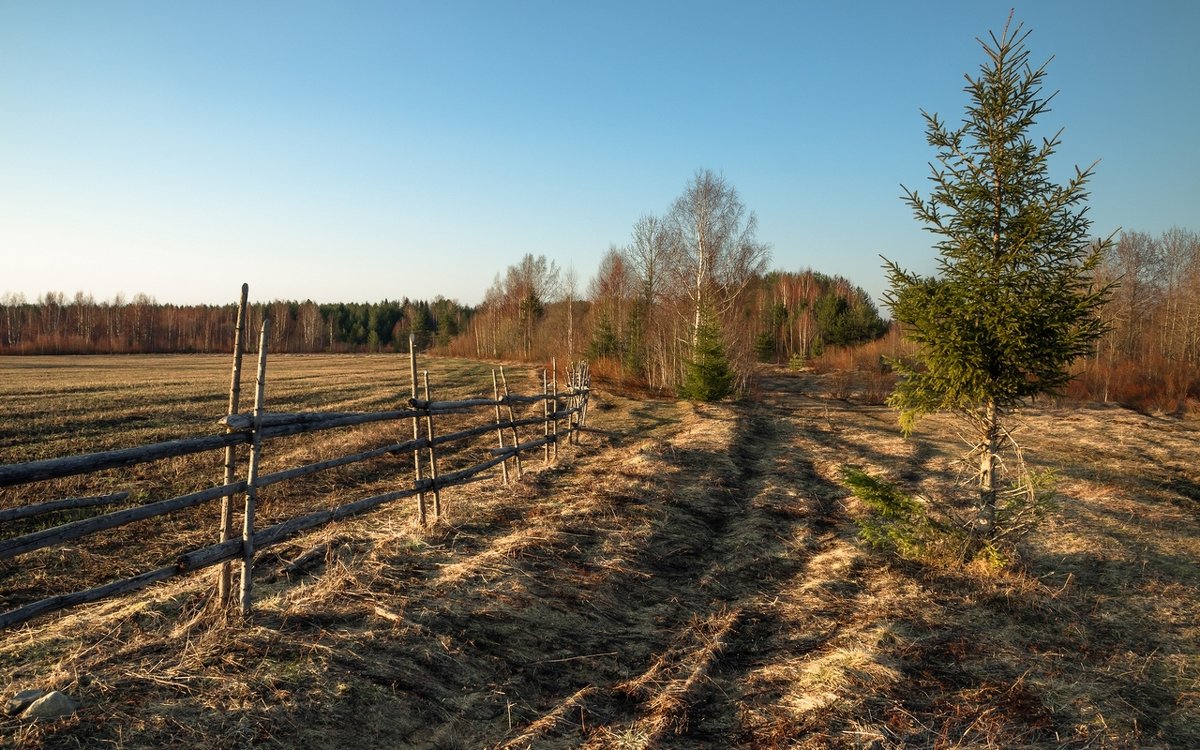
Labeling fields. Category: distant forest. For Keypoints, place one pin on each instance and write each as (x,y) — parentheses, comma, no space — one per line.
(1150,356)
(56,324)
(637,326)
(790,314)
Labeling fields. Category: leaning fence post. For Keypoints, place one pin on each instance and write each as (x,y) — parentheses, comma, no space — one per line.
(499,429)
(437,493)
(512,419)
(416,421)
(260,392)
(225,574)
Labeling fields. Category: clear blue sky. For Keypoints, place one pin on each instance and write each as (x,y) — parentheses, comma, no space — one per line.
(362,151)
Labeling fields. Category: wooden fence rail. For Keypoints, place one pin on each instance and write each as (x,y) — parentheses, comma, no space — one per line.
(259,428)
(54,506)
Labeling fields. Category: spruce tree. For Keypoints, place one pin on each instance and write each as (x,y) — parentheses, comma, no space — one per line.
(1013,302)
(604,342)
(634,360)
(709,374)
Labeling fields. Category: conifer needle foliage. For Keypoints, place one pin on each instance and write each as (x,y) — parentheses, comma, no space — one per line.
(710,374)
(1014,301)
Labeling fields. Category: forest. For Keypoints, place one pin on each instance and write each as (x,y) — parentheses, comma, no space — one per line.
(56,324)
(635,318)
(795,314)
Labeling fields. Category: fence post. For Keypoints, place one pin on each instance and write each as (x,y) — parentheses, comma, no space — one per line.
(585,380)
(225,574)
(499,429)
(260,392)
(572,402)
(577,390)
(511,419)
(554,367)
(416,421)
(545,416)
(437,493)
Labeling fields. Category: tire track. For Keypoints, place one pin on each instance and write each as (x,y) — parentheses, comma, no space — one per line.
(778,528)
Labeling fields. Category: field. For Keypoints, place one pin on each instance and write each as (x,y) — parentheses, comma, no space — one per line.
(689,576)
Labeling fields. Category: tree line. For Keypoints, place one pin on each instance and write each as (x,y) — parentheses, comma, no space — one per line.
(628,320)
(56,324)
(686,305)
(637,316)
(1150,354)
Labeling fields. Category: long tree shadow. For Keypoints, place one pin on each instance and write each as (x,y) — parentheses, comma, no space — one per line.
(619,595)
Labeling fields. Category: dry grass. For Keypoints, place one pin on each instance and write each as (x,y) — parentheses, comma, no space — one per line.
(687,577)
(59,406)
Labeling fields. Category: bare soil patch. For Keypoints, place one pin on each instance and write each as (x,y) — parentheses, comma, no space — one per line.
(689,576)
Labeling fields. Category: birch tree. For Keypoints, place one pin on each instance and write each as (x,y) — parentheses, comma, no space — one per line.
(715,251)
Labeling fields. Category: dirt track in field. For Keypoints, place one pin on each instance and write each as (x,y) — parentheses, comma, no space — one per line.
(687,577)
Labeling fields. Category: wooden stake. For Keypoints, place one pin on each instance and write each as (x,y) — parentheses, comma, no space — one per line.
(416,423)
(585,380)
(225,574)
(554,367)
(499,430)
(573,400)
(433,474)
(546,415)
(512,418)
(260,393)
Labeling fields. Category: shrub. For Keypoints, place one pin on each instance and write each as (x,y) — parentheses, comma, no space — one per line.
(901,524)
(896,522)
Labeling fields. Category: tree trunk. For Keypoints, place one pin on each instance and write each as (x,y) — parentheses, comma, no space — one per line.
(699,303)
(985,522)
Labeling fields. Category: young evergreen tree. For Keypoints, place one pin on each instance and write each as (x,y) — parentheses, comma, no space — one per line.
(709,374)
(604,342)
(634,359)
(1014,301)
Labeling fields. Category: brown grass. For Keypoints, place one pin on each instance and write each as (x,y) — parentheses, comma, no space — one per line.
(71,405)
(689,576)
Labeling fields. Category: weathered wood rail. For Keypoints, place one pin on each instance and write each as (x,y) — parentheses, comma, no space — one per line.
(563,414)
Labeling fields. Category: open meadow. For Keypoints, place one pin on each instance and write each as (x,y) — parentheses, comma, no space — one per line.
(687,576)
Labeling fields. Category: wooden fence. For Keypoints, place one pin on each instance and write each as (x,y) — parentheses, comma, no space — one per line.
(563,414)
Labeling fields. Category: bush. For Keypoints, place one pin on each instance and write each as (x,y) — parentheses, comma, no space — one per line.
(896,522)
(900,524)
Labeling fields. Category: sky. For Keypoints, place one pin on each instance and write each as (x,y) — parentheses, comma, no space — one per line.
(366,151)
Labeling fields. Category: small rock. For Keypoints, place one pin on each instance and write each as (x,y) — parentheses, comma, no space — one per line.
(21,701)
(50,706)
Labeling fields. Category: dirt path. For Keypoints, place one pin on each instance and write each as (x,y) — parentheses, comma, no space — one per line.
(724,571)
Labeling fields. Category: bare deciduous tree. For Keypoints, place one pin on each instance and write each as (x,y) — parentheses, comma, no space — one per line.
(570,291)
(610,292)
(714,250)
